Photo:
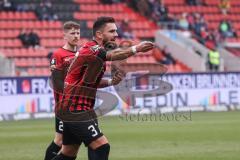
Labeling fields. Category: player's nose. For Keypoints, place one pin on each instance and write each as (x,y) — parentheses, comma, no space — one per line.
(115,34)
(77,36)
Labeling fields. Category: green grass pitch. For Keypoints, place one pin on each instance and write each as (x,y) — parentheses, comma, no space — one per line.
(208,136)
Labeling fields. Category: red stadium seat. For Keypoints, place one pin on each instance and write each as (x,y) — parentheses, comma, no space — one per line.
(51,34)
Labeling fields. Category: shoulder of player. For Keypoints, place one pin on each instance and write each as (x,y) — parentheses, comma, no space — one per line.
(56,58)
(57,53)
(61,52)
(89,48)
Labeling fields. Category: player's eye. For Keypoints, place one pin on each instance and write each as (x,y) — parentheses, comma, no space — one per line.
(112,31)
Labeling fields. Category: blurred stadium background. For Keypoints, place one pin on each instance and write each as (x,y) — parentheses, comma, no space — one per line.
(191,36)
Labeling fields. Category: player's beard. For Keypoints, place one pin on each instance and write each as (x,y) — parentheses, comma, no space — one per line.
(107,40)
(109,44)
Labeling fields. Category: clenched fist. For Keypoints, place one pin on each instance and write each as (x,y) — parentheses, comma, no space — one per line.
(117,78)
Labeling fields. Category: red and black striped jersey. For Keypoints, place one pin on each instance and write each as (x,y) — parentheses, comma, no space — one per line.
(83,77)
(60,62)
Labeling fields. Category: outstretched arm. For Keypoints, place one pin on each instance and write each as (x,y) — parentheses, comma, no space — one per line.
(121,54)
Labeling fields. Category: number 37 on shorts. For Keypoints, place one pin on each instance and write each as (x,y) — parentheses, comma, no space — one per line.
(94,129)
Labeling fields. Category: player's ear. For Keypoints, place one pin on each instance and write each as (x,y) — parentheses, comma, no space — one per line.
(99,34)
(65,34)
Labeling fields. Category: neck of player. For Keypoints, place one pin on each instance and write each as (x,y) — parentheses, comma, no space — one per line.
(70,47)
(99,41)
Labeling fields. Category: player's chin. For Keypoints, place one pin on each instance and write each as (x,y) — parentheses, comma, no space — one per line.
(112,41)
(74,43)
(110,45)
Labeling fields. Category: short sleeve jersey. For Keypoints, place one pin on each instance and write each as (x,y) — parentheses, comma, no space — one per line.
(84,75)
(61,60)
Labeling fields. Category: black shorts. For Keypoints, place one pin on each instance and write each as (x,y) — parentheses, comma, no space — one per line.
(78,132)
(58,125)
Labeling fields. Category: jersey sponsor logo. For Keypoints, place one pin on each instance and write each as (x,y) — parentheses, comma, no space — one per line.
(53,61)
(95,48)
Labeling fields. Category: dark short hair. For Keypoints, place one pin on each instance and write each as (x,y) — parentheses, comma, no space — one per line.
(101,22)
(70,24)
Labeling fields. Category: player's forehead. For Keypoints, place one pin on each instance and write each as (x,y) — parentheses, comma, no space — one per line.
(73,30)
(110,27)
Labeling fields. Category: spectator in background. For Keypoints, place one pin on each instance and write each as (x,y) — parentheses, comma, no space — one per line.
(125,30)
(217,38)
(1,5)
(210,40)
(29,38)
(155,8)
(194,2)
(34,39)
(7,5)
(110,1)
(214,60)
(132,4)
(226,30)
(168,59)
(24,38)
(203,35)
(199,22)
(24,7)
(143,7)
(160,11)
(44,11)
(224,6)
(191,2)
(183,22)
(191,20)
(117,1)
(163,12)
(106,1)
